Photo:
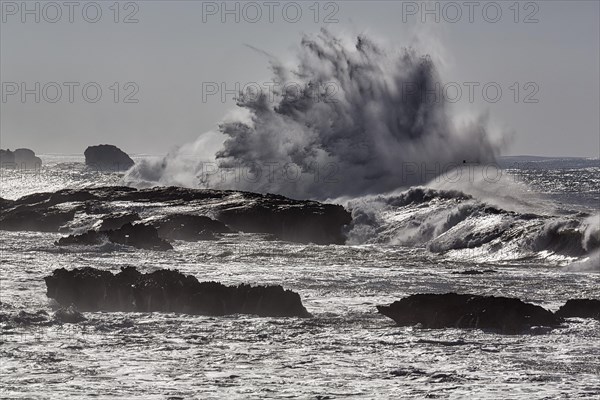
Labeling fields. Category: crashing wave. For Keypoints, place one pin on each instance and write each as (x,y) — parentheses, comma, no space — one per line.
(465,223)
(351,120)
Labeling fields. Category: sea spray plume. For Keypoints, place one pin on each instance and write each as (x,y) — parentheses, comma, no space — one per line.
(185,166)
(351,120)
(375,114)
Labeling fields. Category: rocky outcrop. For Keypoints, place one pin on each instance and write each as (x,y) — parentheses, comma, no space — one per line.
(116,220)
(69,315)
(108,158)
(90,289)
(580,308)
(293,220)
(451,310)
(32,219)
(19,159)
(140,236)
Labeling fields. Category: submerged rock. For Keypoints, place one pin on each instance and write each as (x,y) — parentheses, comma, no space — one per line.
(140,236)
(286,219)
(581,308)
(107,157)
(19,159)
(90,289)
(451,310)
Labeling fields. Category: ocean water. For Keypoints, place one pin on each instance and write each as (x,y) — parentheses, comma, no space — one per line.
(397,248)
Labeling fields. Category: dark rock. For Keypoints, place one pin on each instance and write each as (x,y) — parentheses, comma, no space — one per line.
(90,289)
(31,219)
(26,318)
(581,308)
(5,203)
(189,227)
(451,310)
(286,219)
(86,288)
(69,315)
(116,220)
(141,236)
(19,159)
(296,221)
(107,157)
(475,272)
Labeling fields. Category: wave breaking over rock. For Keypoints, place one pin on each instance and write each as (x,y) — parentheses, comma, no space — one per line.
(350,120)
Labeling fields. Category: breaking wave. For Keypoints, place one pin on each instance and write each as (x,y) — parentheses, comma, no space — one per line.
(472,221)
(357,124)
(349,120)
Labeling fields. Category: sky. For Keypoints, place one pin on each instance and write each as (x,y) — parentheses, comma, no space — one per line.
(148,76)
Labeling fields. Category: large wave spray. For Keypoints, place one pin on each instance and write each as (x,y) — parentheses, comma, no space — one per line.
(351,120)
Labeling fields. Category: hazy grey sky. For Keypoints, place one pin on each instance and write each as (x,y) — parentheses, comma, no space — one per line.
(176,46)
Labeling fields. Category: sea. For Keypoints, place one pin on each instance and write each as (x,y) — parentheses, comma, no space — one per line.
(531,229)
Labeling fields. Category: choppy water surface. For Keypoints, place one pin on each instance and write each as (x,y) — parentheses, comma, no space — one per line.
(346,350)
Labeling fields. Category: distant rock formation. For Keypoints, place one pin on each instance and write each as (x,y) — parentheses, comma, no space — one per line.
(140,236)
(580,308)
(451,310)
(286,219)
(107,157)
(19,159)
(90,289)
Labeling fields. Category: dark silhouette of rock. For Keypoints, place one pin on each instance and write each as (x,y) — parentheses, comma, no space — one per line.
(189,227)
(451,310)
(26,318)
(287,219)
(580,308)
(19,159)
(117,220)
(475,272)
(141,236)
(91,289)
(5,203)
(69,315)
(31,219)
(107,157)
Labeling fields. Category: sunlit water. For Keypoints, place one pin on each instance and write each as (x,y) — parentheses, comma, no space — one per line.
(345,350)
